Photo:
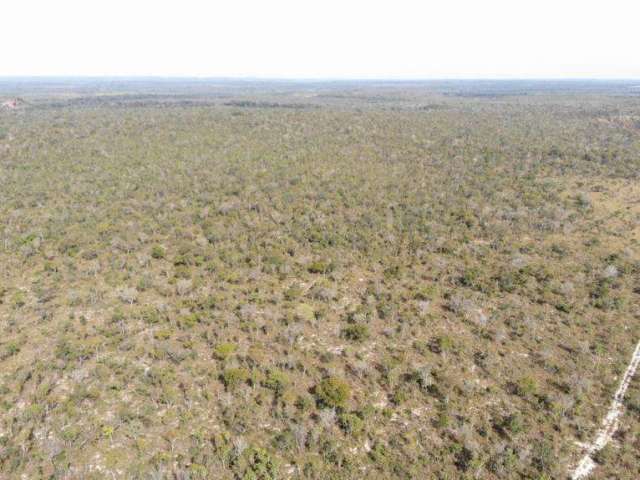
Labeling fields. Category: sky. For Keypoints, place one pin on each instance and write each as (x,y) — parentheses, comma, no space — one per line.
(328,39)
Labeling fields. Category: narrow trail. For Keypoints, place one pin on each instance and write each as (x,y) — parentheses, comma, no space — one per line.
(609,423)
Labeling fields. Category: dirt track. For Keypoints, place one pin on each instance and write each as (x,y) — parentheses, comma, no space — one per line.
(609,423)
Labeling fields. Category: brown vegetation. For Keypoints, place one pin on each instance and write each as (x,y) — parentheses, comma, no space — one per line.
(365,288)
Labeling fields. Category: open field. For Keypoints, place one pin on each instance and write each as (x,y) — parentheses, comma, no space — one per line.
(342,280)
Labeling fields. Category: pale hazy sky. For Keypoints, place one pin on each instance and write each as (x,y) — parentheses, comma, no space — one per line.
(322,39)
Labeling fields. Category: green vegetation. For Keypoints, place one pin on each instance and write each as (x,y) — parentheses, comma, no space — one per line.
(224,351)
(157,252)
(356,333)
(233,377)
(332,392)
(322,281)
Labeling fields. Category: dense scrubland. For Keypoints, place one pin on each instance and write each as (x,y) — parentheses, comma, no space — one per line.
(307,281)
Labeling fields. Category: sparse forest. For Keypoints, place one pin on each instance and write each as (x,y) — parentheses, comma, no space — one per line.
(317,281)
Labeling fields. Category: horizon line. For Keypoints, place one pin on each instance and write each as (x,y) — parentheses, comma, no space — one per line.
(313,79)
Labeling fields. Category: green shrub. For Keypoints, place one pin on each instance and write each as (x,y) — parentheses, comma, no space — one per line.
(332,392)
(320,266)
(606,455)
(158,252)
(234,377)
(305,312)
(443,419)
(12,348)
(224,351)
(19,300)
(399,396)
(356,333)
(526,386)
(150,315)
(425,293)
(470,277)
(351,423)
(262,466)
(513,424)
(293,292)
(442,344)
(304,403)
(162,334)
(188,321)
(276,381)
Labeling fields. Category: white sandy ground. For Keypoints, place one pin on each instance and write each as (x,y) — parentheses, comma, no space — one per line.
(609,423)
